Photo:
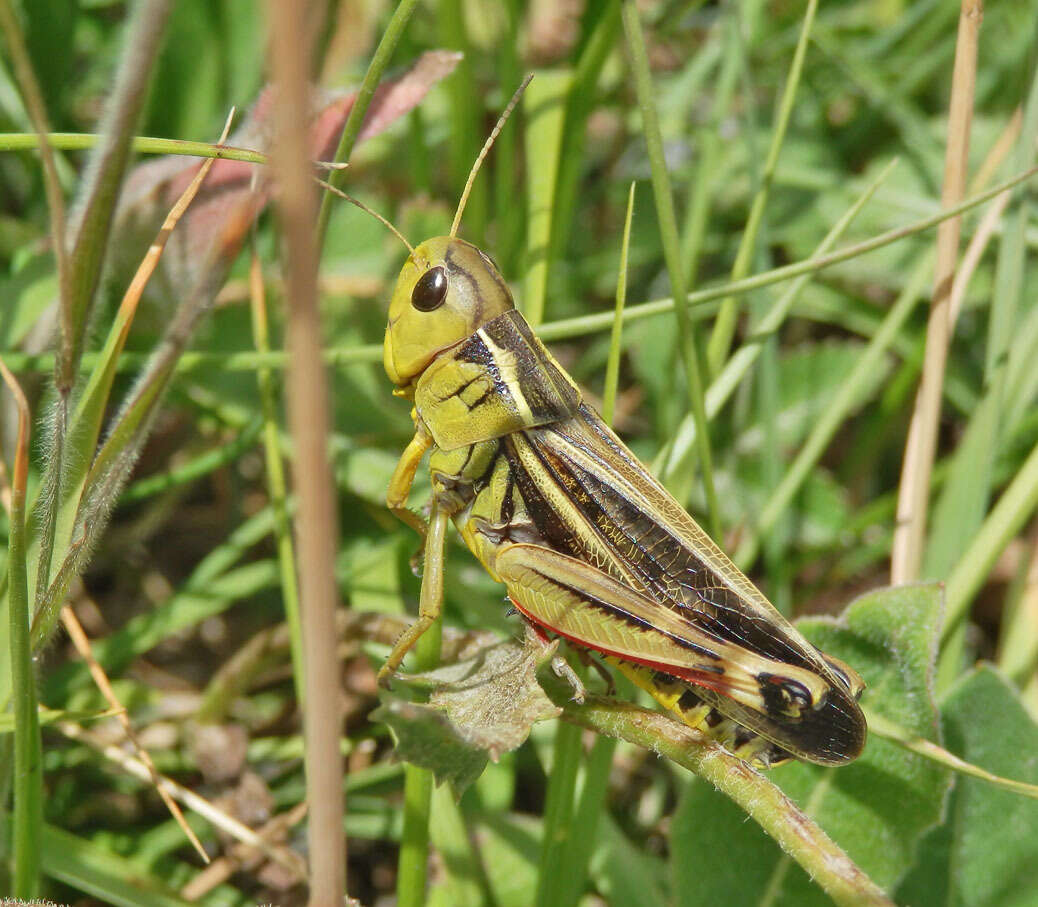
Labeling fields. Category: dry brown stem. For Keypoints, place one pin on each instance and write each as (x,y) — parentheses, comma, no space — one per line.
(308,406)
(82,644)
(914,491)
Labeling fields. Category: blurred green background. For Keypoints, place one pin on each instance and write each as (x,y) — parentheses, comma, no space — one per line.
(186,576)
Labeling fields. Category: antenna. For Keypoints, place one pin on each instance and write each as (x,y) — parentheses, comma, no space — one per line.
(363,207)
(501,120)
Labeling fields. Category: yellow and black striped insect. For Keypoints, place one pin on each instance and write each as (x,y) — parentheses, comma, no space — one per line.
(590,547)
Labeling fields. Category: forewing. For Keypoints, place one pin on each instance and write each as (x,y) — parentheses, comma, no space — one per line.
(589,607)
(593,500)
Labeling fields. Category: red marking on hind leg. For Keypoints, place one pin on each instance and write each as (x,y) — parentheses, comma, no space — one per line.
(699,678)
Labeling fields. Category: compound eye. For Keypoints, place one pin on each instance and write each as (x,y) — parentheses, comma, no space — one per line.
(430,291)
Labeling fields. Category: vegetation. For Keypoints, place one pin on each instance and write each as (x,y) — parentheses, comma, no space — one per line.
(846,397)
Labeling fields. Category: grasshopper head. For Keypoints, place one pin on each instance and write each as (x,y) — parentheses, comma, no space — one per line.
(446,291)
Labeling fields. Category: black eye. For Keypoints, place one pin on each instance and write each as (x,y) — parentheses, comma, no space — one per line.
(430,291)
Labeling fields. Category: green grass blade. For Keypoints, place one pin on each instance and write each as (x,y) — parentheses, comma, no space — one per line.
(580,101)
(277,487)
(413,860)
(50,716)
(671,251)
(724,327)
(853,391)
(98,872)
(591,804)
(465,118)
(558,828)
(890,730)
(85,141)
(507,180)
(379,61)
(414,839)
(709,173)
(544,105)
(612,376)
(28,760)
(778,565)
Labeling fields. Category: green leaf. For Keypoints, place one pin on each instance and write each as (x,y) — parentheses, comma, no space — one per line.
(627,874)
(986,852)
(425,737)
(486,702)
(877,808)
(510,844)
(493,697)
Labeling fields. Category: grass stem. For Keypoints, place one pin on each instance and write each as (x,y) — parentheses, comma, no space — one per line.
(308,415)
(558,827)
(28,759)
(671,251)
(913,495)
(724,326)
(796,833)
(379,61)
(276,485)
(612,376)
(412,872)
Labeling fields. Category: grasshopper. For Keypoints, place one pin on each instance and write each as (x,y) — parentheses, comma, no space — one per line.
(589,546)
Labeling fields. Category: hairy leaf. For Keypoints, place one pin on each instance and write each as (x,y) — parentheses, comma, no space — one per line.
(484,703)
(986,852)
(878,808)
(425,737)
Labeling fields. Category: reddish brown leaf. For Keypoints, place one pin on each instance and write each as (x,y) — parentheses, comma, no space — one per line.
(235,193)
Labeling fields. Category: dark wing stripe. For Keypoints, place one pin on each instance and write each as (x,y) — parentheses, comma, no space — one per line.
(660,558)
(545,518)
(508,500)
(630,533)
(614,610)
(717,609)
(831,734)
